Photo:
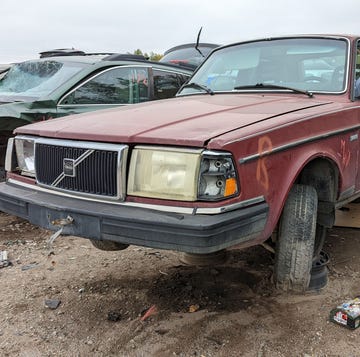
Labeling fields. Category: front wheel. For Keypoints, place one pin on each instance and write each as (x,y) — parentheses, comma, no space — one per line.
(296,239)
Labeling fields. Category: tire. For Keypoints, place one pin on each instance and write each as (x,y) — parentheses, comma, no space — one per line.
(108,245)
(295,241)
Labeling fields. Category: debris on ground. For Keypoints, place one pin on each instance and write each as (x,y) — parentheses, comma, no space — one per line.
(29,266)
(151,311)
(52,304)
(194,308)
(347,314)
(113,316)
(4,261)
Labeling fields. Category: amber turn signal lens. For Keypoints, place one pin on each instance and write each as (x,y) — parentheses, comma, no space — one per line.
(230,187)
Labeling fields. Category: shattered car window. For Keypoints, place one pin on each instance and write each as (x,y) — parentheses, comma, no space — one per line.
(37,78)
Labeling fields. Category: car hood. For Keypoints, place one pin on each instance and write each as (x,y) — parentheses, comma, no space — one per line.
(16,99)
(190,121)
(13,115)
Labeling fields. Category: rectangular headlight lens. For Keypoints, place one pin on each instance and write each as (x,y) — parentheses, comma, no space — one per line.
(25,150)
(167,173)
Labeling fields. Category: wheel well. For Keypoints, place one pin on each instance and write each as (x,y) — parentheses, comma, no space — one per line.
(323,175)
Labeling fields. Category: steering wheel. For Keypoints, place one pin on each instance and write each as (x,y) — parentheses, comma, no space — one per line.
(314,79)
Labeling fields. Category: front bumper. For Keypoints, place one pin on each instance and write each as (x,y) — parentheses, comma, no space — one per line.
(133,225)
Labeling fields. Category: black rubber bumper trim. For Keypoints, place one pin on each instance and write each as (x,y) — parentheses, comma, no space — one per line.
(133,225)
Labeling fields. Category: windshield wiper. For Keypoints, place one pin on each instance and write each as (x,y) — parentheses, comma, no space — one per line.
(199,86)
(274,86)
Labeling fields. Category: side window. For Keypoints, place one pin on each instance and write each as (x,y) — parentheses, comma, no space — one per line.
(166,84)
(139,91)
(357,71)
(121,85)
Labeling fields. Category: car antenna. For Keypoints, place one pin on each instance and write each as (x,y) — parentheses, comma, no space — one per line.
(197,43)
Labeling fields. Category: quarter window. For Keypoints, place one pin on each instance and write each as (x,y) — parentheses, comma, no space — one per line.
(166,84)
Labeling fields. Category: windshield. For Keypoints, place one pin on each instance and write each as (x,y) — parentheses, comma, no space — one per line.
(36,78)
(308,64)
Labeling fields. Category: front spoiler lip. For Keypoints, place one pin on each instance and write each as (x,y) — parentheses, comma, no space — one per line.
(133,225)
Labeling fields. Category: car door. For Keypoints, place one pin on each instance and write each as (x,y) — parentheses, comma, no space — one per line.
(116,86)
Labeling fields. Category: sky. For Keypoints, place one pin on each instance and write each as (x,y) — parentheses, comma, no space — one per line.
(29,27)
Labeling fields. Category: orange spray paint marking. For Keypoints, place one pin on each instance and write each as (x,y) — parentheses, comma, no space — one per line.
(264,146)
(345,154)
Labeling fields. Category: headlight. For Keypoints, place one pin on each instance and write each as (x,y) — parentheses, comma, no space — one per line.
(217,178)
(180,174)
(164,173)
(25,149)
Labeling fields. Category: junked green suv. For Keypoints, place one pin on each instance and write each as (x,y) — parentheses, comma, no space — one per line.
(52,87)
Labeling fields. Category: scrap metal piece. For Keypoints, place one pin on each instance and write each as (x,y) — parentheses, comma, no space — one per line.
(51,240)
(52,303)
(29,266)
(58,222)
(4,262)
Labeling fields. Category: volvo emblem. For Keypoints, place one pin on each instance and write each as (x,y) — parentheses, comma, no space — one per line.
(69,167)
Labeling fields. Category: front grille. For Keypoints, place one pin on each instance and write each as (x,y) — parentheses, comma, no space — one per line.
(81,167)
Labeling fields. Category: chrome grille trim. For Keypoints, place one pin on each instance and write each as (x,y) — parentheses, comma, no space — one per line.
(99,168)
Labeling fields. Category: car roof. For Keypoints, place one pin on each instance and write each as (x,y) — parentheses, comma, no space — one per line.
(90,59)
(110,59)
(326,36)
(191,45)
(148,63)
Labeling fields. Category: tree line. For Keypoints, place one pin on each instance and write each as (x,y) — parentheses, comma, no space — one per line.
(151,56)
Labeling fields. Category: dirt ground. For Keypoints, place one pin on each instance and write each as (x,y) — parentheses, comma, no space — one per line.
(145,302)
